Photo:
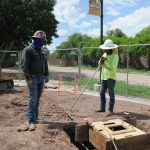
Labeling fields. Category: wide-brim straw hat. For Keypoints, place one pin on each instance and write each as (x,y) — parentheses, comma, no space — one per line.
(108,44)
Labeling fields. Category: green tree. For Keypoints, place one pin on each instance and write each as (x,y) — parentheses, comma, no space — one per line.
(143,32)
(76,40)
(19,19)
(116,33)
(91,55)
(143,37)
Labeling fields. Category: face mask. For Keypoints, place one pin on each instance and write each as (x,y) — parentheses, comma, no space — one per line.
(38,43)
(108,52)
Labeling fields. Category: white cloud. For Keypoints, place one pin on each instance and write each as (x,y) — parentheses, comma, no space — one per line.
(115,7)
(121,3)
(85,24)
(67,12)
(132,23)
(94,32)
(63,32)
(95,21)
(112,11)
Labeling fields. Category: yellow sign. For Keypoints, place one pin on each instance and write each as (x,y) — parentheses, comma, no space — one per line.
(94,7)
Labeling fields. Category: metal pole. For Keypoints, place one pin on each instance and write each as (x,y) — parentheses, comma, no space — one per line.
(101,33)
(79,67)
(127,72)
(113,141)
(101,18)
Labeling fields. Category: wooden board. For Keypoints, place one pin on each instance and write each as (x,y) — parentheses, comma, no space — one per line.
(128,138)
(96,139)
(117,128)
(140,142)
(82,132)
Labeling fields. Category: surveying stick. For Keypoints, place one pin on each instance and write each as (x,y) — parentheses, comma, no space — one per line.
(84,88)
(113,141)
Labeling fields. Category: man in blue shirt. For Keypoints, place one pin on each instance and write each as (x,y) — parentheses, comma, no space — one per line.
(35,68)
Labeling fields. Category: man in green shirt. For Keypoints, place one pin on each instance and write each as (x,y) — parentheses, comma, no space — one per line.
(108,63)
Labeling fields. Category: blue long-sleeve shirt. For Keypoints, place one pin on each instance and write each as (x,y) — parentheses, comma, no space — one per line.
(33,62)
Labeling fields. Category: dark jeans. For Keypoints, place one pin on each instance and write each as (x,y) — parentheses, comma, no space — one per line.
(34,97)
(110,85)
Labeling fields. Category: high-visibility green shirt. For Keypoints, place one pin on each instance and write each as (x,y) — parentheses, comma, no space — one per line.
(109,68)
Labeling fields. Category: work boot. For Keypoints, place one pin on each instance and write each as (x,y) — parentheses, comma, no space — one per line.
(99,110)
(23,127)
(109,114)
(32,127)
(40,121)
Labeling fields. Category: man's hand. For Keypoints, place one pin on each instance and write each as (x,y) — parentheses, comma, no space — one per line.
(30,83)
(101,61)
(46,79)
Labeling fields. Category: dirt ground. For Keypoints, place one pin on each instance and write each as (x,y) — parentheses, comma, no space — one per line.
(55,131)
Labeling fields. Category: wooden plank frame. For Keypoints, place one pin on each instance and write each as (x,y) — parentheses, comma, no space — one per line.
(102,140)
(140,142)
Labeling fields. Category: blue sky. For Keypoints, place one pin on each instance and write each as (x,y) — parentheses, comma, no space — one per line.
(129,15)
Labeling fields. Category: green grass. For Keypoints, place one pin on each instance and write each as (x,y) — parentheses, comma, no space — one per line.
(133,90)
(137,91)
(120,88)
(83,82)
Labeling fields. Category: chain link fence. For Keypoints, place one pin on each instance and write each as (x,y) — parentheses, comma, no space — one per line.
(64,68)
(73,67)
(133,68)
(79,65)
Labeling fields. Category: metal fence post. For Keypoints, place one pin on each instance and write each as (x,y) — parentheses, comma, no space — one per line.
(127,72)
(79,67)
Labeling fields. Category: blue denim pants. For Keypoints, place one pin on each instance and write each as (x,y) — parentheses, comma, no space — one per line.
(110,85)
(34,97)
